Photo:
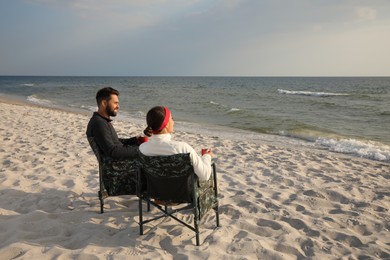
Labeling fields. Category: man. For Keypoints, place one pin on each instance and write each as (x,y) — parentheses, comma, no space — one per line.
(104,134)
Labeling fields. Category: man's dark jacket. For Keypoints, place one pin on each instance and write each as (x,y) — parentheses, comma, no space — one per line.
(106,138)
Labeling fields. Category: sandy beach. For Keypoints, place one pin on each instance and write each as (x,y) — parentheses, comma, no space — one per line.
(276,201)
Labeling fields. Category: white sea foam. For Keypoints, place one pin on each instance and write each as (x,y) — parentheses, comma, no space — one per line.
(35,99)
(225,107)
(366,149)
(310,93)
(89,108)
(29,84)
(234,110)
(140,114)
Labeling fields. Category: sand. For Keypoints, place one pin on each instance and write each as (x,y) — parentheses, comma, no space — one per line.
(276,201)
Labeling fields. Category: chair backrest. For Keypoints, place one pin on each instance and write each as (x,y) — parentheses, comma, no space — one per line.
(168,178)
(105,161)
(95,149)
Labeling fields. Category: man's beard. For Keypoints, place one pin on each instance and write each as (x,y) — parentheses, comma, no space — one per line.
(110,112)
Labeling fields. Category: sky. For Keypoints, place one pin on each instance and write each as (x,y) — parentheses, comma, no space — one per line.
(195,37)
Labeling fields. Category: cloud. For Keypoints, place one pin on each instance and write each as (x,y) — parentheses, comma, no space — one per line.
(108,12)
(366,13)
(121,14)
(203,37)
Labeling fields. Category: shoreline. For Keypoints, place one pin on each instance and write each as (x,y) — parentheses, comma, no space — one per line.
(276,202)
(369,150)
(21,101)
(280,114)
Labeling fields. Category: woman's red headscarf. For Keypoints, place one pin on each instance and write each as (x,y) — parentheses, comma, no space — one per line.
(165,122)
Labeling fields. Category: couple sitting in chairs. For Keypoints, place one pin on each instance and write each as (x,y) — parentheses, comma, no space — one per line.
(157,170)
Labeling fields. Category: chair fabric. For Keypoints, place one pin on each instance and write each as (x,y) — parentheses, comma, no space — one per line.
(116,177)
(171,179)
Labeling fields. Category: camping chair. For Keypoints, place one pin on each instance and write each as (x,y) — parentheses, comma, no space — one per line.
(171,180)
(116,177)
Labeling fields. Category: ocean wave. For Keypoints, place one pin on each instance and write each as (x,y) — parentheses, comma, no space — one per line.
(89,108)
(28,84)
(385,113)
(226,108)
(365,149)
(35,99)
(233,109)
(140,114)
(310,93)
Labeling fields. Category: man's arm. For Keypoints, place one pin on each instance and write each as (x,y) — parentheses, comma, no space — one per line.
(129,141)
(107,139)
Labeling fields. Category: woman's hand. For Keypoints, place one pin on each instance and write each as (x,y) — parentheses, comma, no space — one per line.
(207,151)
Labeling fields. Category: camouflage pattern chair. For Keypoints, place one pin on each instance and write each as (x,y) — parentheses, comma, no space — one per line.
(170,180)
(116,177)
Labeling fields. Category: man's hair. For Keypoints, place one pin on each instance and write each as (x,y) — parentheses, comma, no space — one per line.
(105,94)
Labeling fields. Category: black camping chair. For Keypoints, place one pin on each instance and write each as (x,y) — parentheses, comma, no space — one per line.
(116,177)
(167,180)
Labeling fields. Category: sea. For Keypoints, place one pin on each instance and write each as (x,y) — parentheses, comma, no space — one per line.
(349,115)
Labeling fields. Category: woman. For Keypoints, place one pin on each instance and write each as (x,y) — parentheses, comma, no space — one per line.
(160,124)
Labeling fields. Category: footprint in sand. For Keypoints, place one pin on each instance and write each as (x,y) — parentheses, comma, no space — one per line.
(269,223)
(288,182)
(348,240)
(49,179)
(248,206)
(312,193)
(243,244)
(384,175)
(291,199)
(300,208)
(255,193)
(337,197)
(68,183)
(307,247)
(230,211)
(299,224)
(382,194)
(266,172)
(361,229)
(340,211)
(296,223)
(379,208)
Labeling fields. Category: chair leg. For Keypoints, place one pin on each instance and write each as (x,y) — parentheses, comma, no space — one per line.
(217,216)
(196,224)
(141,228)
(101,206)
(100,195)
(216,192)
